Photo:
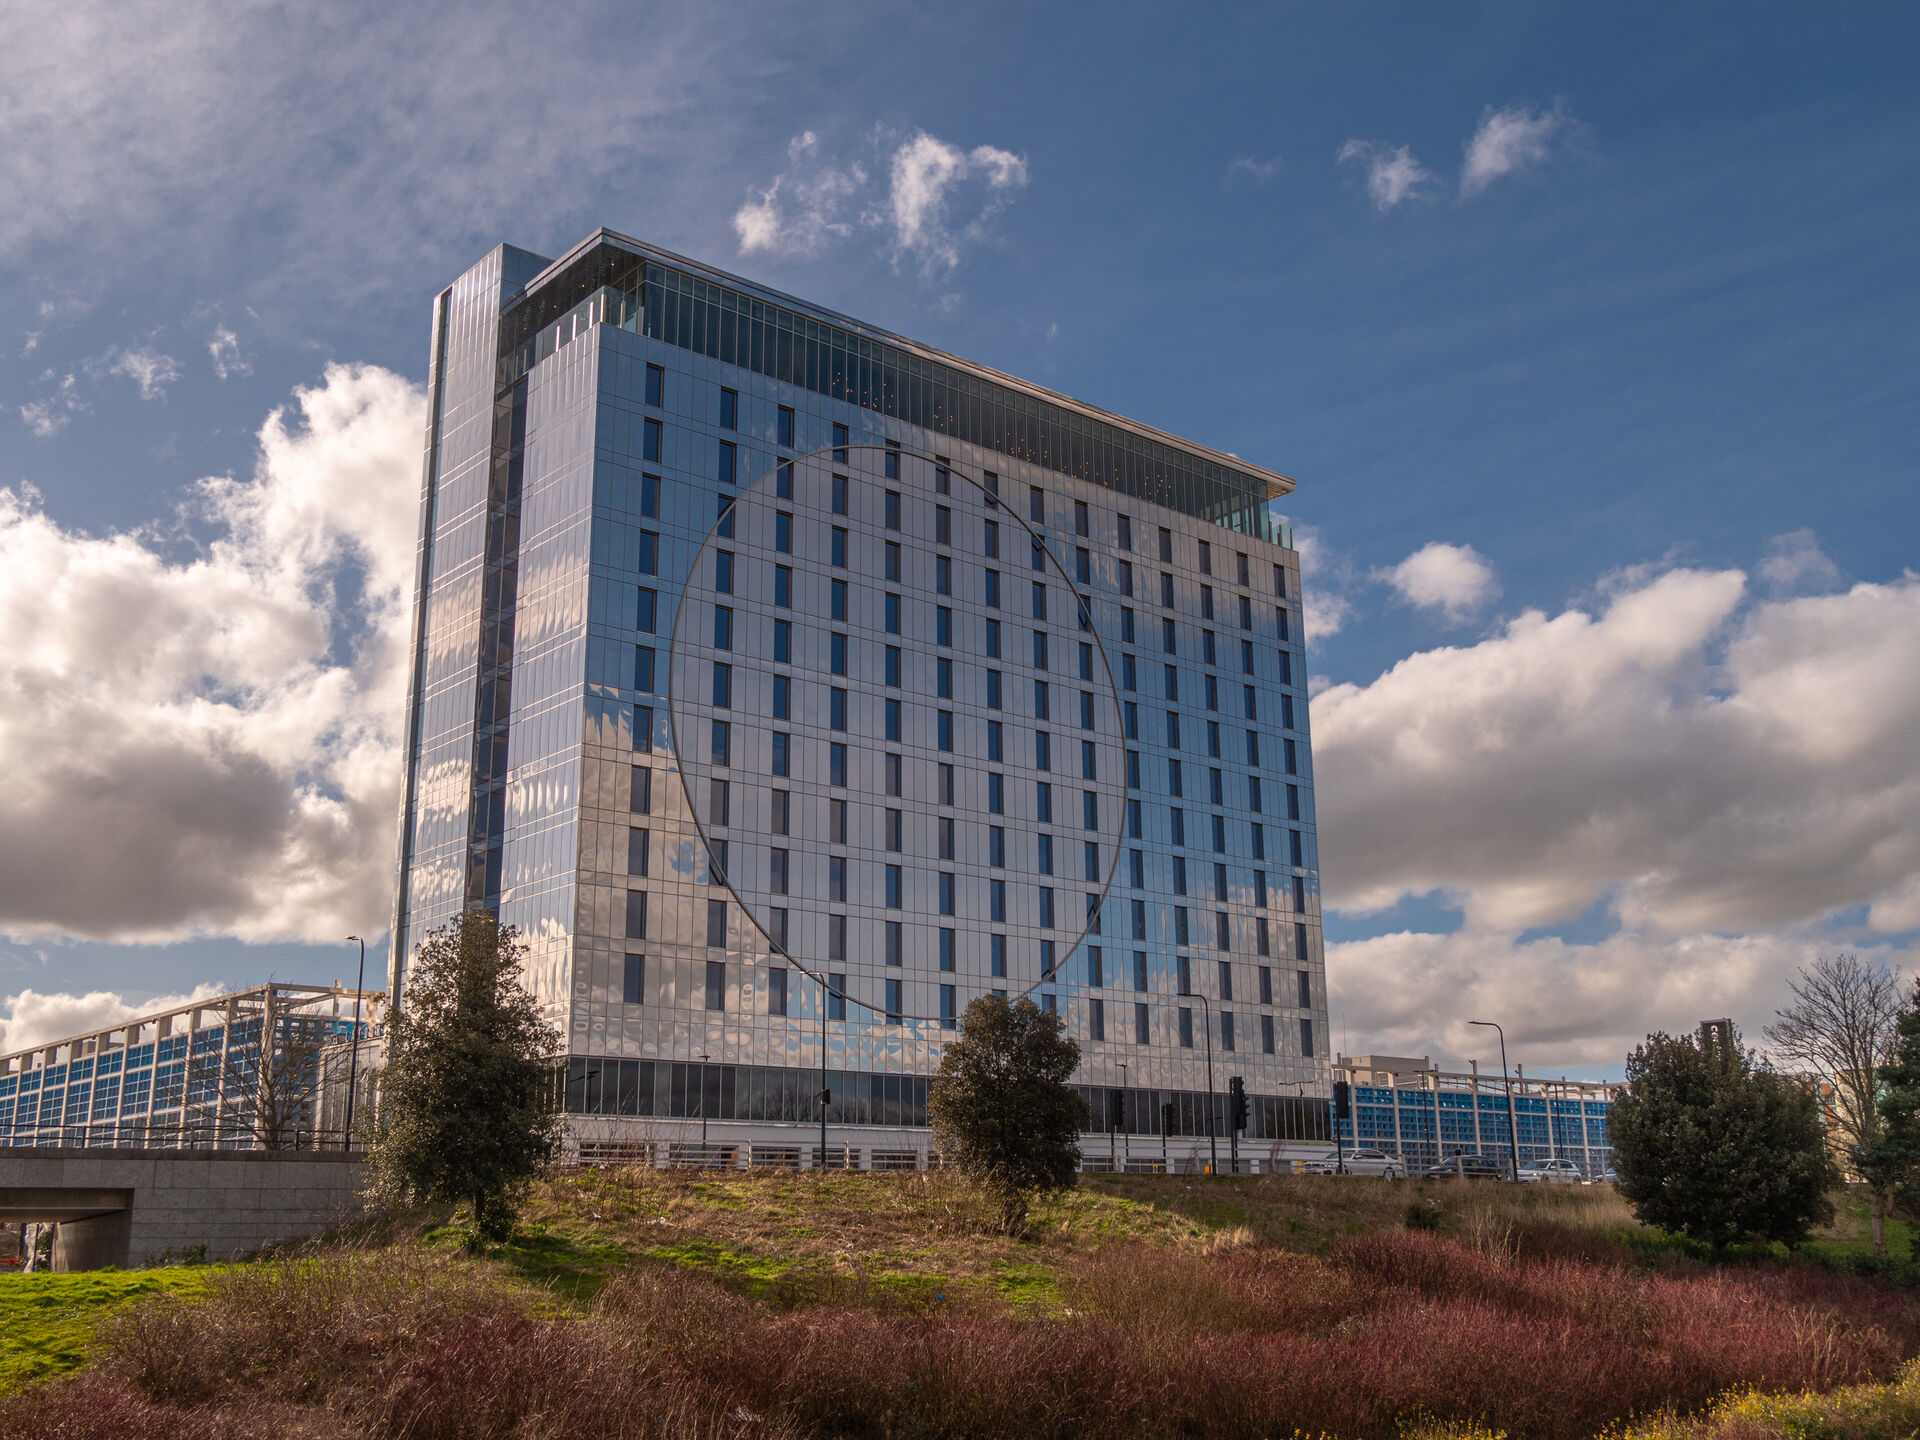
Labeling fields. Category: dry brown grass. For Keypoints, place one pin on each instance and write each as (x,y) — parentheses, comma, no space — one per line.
(783,1229)
(1311,1212)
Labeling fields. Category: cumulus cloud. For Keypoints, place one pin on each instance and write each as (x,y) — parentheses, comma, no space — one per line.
(208,744)
(224,348)
(1724,776)
(1325,576)
(816,200)
(926,173)
(1455,579)
(36,1019)
(802,209)
(1795,561)
(1721,768)
(1393,175)
(1562,1004)
(1507,141)
(151,371)
(54,411)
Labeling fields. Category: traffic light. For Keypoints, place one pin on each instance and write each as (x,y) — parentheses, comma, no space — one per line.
(1237,1101)
(1116,1110)
(1342,1100)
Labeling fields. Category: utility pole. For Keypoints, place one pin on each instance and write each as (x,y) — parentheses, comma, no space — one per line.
(1513,1129)
(353,1066)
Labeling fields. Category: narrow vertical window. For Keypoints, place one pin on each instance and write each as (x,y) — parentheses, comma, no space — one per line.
(633,981)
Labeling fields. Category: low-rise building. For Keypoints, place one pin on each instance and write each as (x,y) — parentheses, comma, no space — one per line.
(240,1071)
(1412,1108)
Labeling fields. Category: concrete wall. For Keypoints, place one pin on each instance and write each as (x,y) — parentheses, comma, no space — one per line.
(231,1202)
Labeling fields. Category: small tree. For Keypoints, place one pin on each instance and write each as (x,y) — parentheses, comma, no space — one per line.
(1707,1143)
(1001,1105)
(1838,1030)
(467,1101)
(1892,1161)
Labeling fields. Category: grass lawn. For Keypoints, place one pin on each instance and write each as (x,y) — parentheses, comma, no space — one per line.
(45,1320)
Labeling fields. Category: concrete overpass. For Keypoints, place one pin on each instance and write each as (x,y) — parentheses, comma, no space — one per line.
(128,1208)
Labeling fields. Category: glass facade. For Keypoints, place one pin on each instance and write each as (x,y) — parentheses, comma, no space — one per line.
(1446,1114)
(754,644)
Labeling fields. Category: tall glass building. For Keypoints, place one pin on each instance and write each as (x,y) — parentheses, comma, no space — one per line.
(790,684)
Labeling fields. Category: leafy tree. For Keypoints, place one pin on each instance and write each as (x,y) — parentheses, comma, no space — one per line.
(467,1108)
(1001,1105)
(1892,1162)
(1838,1031)
(1708,1143)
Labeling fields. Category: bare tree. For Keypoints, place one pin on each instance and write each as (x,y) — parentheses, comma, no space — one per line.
(267,1084)
(1840,1030)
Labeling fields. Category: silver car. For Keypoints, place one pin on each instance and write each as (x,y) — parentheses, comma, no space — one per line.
(1551,1172)
(1358,1162)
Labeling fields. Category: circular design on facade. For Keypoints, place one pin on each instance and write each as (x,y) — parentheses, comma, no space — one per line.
(898,732)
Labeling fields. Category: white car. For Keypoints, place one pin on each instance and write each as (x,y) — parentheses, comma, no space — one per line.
(1358,1162)
(1551,1172)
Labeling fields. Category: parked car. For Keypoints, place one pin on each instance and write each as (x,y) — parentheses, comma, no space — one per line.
(1467,1167)
(1358,1162)
(1553,1172)
(1606,1177)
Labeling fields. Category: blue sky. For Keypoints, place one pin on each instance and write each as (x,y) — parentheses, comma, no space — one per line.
(1615,307)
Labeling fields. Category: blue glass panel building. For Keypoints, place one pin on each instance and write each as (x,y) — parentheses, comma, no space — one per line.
(791,684)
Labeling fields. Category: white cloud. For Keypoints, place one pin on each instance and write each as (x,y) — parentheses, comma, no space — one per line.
(1256,170)
(1455,579)
(925,173)
(1508,141)
(806,206)
(1713,768)
(37,1019)
(1393,175)
(265,144)
(147,368)
(1562,1004)
(801,210)
(224,348)
(1795,561)
(1726,778)
(1325,575)
(51,413)
(209,744)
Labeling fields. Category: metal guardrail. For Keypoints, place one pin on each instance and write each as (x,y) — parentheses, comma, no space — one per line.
(180,1137)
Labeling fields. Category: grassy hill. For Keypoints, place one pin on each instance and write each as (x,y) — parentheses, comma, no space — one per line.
(679,1304)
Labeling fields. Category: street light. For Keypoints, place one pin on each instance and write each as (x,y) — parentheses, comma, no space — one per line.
(1213,1143)
(703,1107)
(1513,1129)
(353,1066)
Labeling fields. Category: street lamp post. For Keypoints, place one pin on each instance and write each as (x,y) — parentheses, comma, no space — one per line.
(353,1066)
(1213,1141)
(703,1107)
(826,1095)
(1513,1128)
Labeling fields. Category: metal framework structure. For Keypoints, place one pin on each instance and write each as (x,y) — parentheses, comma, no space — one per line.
(265,1068)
